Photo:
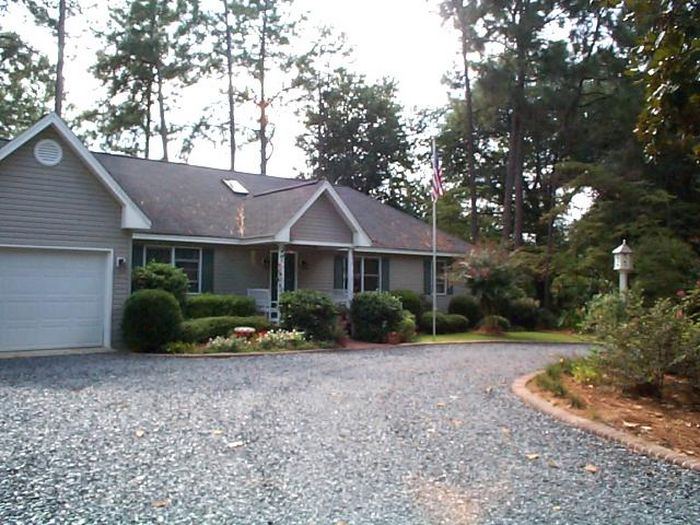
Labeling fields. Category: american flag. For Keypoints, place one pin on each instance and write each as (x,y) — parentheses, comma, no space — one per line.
(437,189)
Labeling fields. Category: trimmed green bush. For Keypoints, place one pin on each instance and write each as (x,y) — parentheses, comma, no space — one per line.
(524,312)
(374,315)
(444,323)
(309,311)
(159,276)
(494,324)
(178,347)
(205,328)
(410,301)
(219,305)
(407,327)
(151,319)
(466,305)
(457,323)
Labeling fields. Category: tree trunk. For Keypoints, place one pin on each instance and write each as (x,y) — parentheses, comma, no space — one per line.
(58,108)
(517,153)
(469,126)
(229,72)
(161,110)
(149,124)
(263,103)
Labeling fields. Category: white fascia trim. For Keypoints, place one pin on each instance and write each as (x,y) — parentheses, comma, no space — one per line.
(137,236)
(394,251)
(360,237)
(132,216)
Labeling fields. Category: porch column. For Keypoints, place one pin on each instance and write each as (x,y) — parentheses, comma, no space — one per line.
(281,256)
(351,273)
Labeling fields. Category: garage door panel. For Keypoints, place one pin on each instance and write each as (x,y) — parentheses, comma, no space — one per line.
(51,299)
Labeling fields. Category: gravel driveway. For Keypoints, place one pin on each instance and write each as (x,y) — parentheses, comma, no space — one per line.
(404,436)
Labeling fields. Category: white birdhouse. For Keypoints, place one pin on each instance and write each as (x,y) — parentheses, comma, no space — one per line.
(622,258)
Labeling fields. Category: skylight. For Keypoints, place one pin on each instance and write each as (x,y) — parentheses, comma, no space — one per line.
(236,187)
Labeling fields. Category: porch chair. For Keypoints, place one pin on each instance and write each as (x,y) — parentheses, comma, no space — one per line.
(264,304)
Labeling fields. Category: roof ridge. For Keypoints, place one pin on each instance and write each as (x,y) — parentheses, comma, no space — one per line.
(188,165)
(279,190)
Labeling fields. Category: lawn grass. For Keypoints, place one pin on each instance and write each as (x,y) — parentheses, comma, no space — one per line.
(535,337)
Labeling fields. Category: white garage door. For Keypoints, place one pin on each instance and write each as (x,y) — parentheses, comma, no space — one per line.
(51,299)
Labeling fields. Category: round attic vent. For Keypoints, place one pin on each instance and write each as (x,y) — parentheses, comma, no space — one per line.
(48,152)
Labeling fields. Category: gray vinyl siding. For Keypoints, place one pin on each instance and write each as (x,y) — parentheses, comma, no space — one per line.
(316,270)
(321,223)
(63,206)
(238,268)
(407,274)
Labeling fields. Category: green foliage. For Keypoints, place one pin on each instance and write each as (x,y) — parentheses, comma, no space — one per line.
(215,305)
(667,62)
(407,327)
(641,344)
(179,347)
(310,311)
(586,370)
(151,319)
(201,330)
(494,324)
(524,312)
(486,270)
(444,323)
(374,315)
(466,305)
(551,380)
(25,84)
(411,301)
(356,137)
(664,264)
(159,276)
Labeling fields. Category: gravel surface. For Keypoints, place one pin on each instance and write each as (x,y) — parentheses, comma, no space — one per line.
(423,435)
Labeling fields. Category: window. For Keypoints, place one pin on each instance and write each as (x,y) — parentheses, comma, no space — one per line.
(441,278)
(235,186)
(189,260)
(367,274)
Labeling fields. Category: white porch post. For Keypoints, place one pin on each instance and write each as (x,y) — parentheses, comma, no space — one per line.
(351,273)
(281,256)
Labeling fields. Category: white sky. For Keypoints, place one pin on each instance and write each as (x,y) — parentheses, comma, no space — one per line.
(401,39)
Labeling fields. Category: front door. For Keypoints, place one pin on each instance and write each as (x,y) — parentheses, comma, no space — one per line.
(290,274)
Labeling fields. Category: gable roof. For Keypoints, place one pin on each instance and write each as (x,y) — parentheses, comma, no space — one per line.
(132,216)
(180,201)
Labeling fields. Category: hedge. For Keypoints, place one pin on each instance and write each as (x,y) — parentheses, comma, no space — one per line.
(217,305)
(374,315)
(410,301)
(466,305)
(205,328)
(444,323)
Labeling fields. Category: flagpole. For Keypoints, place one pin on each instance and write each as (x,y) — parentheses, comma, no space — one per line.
(434,272)
(434,287)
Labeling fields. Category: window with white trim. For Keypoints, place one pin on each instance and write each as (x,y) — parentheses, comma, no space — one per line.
(367,274)
(441,285)
(189,260)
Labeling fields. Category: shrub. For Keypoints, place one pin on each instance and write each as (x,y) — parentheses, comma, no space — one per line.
(159,276)
(640,345)
(444,323)
(494,324)
(151,319)
(524,312)
(407,327)
(219,305)
(374,315)
(410,301)
(466,305)
(426,323)
(201,330)
(178,347)
(546,319)
(457,323)
(310,311)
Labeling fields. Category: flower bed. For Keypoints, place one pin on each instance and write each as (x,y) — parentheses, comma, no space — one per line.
(245,340)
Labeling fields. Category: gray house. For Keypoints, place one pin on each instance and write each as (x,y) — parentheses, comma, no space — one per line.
(73,224)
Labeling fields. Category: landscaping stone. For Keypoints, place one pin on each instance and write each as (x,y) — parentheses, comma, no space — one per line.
(409,435)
